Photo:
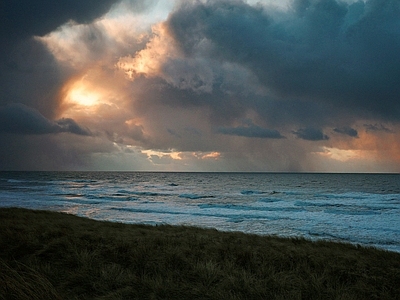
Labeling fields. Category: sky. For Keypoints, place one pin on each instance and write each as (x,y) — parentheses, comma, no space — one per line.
(200,85)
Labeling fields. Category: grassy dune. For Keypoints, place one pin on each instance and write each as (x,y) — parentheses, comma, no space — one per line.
(48,255)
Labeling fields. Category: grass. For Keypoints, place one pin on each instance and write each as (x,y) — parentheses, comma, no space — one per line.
(49,255)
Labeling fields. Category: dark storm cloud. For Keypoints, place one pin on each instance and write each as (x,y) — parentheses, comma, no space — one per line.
(30,75)
(310,134)
(325,52)
(38,152)
(377,127)
(173,133)
(225,108)
(69,125)
(347,131)
(251,131)
(193,131)
(20,119)
(25,18)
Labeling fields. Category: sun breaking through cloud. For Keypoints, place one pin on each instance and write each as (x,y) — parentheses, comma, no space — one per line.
(216,85)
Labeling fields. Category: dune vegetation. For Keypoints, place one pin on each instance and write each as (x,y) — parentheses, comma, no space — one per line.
(49,255)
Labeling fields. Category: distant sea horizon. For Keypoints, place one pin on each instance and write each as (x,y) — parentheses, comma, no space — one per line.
(201,171)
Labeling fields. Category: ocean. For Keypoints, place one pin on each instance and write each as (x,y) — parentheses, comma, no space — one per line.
(356,208)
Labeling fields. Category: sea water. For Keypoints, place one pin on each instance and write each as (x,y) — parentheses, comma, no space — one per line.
(357,208)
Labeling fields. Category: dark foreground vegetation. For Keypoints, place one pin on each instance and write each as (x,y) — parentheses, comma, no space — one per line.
(48,255)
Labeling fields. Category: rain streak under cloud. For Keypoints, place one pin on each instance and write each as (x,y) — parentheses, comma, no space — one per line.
(222,85)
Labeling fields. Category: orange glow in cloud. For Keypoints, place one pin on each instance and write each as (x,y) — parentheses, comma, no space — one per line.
(370,148)
(80,94)
(344,155)
(98,91)
(148,62)
(382,146)
(93,96)
(211,155)
(175,155)
(77,45)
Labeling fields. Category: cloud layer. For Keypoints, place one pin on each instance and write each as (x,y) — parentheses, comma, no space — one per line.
(323,53)
(224,85)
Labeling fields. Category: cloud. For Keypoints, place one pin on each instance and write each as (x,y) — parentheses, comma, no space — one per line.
(325,52)
(20,119)
(251,131)
(347,131)
(30,75)
(33,78)
(173,133)
(377,128)
(146,79)
(25,18)
(310,134)
(69,125)
(26,57)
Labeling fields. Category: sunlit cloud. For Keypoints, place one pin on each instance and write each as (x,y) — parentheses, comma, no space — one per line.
(166,85)
(175,155)
(187,157)
(85,96)
(119,31)
(149,61)
(79,94)
(344,155)
(371,151)
(211,155)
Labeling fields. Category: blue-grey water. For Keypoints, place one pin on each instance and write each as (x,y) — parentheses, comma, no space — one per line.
(356,208)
